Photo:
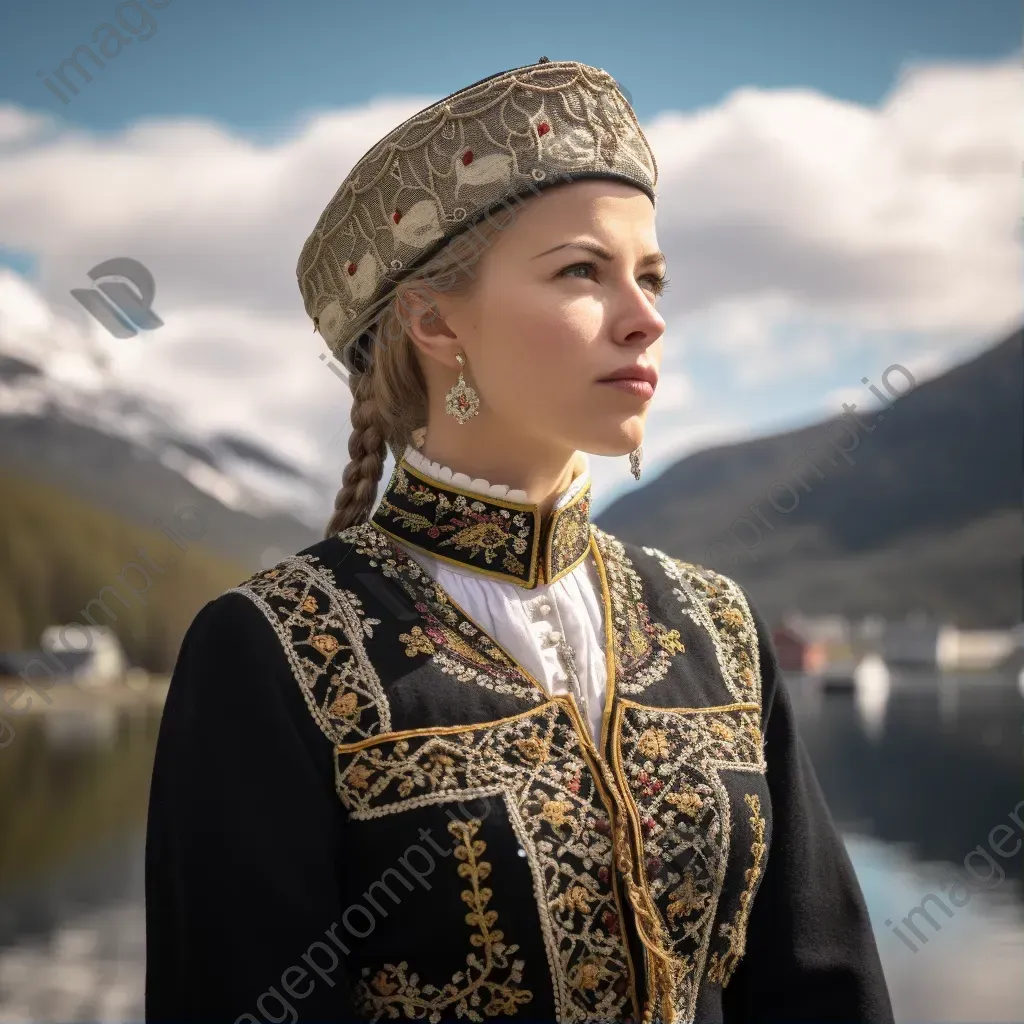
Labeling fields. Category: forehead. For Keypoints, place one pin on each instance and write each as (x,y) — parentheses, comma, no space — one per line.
(610,211)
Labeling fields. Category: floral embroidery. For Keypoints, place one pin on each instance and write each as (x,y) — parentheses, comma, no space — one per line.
(496,537)
(559,817)
(416,642)
(670,762)
(720,969)
(716,605)
(669,640)
(643,648)
(455,645)
(568,538)
(653,743)
(322,629)
(396,992)
(675,821)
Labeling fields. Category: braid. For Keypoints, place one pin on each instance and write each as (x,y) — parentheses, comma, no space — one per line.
(367,450)
(389,392)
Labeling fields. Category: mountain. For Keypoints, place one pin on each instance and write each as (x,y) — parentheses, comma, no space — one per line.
(92,475)
(922,512)
(143,480)
(65,420)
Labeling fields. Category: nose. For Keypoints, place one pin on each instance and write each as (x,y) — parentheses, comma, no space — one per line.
(642,325)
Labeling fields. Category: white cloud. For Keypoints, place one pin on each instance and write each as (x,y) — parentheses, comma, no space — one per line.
(900,218)
(20,126)
(800,229)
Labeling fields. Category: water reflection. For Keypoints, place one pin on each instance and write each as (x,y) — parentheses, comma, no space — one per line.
(917,771)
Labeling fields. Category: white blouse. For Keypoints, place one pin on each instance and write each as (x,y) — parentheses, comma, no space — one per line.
(529,623)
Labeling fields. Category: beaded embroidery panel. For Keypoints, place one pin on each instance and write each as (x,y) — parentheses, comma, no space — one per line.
(536,762)
(323,631)
(447,637)
(715,604)
(643,648)
(679,768)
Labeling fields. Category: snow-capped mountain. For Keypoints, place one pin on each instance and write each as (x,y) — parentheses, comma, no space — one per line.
(66,419)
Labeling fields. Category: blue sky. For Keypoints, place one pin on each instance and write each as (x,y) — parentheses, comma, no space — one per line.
(257,65)
(839,189)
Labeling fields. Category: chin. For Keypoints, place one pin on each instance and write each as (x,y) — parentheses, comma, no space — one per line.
(620,439)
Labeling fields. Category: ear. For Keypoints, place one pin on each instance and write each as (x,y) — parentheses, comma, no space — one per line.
(423,317)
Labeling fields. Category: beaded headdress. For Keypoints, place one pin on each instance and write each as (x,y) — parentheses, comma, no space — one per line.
(449,166)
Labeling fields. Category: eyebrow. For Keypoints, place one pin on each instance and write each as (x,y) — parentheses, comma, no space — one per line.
(597,250)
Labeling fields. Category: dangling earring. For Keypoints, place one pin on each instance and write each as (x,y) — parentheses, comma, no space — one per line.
(635,458)
(462,401)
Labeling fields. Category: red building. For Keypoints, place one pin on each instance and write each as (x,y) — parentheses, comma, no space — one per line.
(796,653)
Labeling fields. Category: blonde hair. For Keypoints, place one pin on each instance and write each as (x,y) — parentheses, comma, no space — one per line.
(389,393)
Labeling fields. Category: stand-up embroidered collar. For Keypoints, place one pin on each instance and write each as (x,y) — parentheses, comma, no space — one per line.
(487,528)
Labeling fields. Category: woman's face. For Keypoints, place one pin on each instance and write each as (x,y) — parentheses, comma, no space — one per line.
(548,321)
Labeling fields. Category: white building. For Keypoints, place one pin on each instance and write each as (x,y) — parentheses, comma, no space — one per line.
(974,649)
(93,654)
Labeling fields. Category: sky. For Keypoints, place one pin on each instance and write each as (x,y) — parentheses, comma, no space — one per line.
(839,190)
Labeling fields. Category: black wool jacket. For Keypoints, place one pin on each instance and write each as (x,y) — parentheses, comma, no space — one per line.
(363,808)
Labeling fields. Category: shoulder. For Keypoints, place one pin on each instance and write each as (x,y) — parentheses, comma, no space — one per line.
(311,608)
(328,563)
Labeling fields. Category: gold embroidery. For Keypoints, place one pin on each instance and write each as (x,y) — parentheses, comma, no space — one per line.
(670,763)
(559,816)
(416,642)
(455,644)
(654,743)
(533,748)
(345,704)
(556,812)
(686,899)
(669,640)
(722,731)
(323,630)
(720,970)
(687,800)
(493,536)
(394,991)
(568,537)
(640,656)
(359,777)
(677,810)
(716,604)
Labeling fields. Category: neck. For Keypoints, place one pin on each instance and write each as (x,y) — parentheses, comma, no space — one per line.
(542,471)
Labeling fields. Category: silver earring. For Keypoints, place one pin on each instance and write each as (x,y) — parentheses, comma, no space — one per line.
(635,458)
(462,401)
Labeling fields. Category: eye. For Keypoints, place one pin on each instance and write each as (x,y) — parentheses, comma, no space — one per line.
(658,281)
(579,266)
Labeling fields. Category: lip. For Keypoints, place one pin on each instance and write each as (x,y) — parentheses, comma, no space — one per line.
(637,379)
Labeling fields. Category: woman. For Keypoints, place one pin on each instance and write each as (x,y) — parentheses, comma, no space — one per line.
(470,757)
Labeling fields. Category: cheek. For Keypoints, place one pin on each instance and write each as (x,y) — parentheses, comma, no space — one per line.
(546,345)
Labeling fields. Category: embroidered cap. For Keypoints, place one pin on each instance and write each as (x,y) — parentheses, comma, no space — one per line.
(444,169)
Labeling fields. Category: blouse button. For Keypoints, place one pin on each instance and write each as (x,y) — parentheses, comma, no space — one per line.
(544,609)
(554,637)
